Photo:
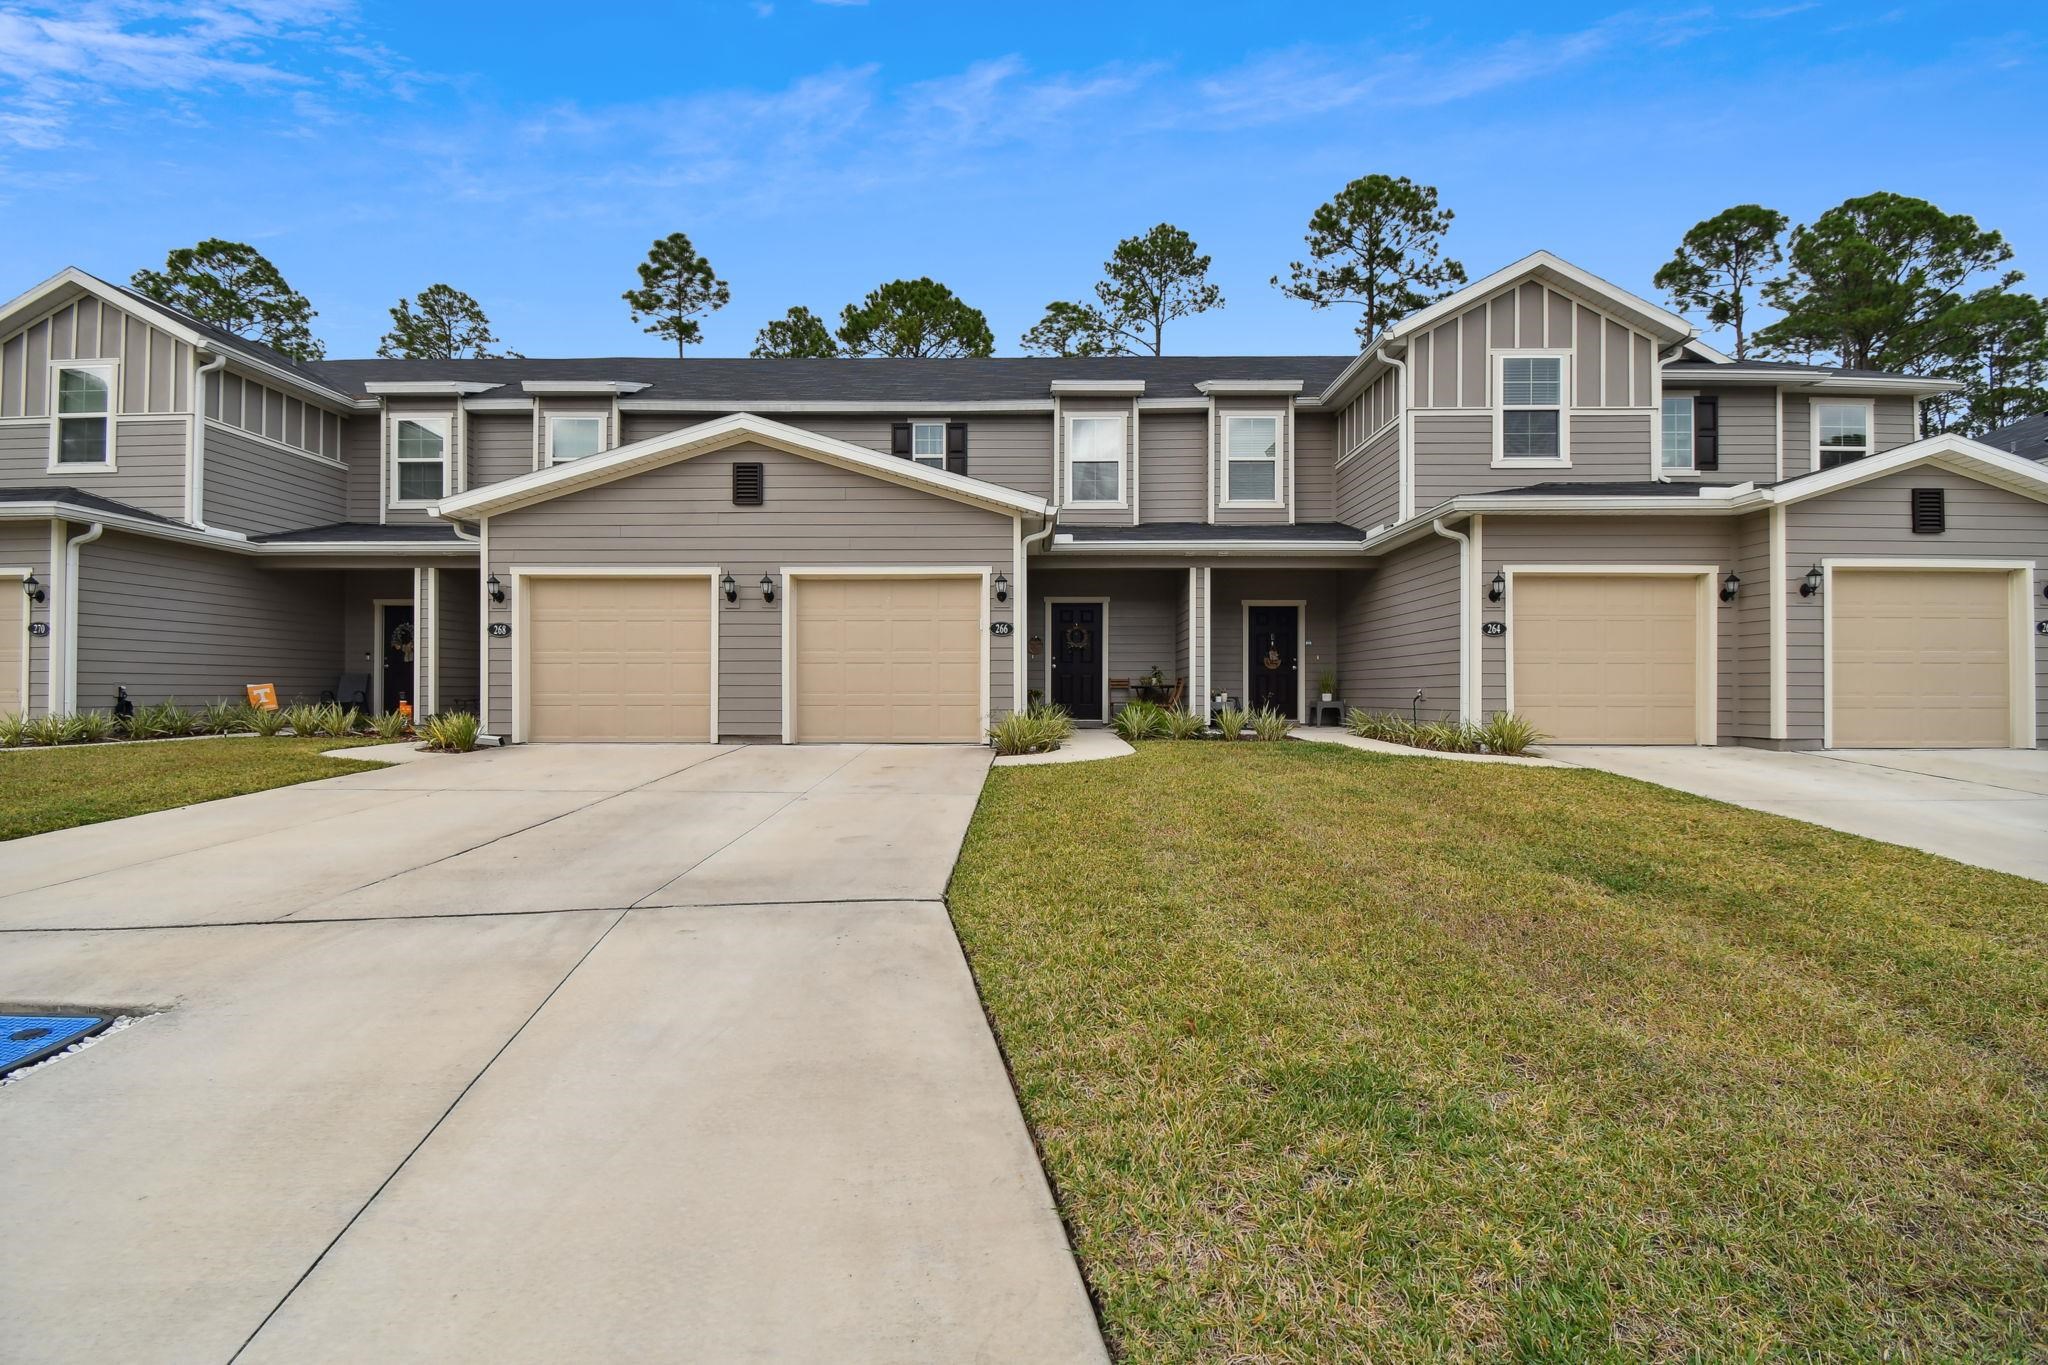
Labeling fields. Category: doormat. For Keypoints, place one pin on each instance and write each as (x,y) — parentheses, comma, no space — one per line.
(26,1039)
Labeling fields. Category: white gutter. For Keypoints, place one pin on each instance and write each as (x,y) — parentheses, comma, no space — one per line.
(71,549)
(1464,611)
(195,464)
(1021,683)
(1404,444)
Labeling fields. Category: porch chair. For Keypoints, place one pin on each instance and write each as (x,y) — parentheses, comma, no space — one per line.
(351,689)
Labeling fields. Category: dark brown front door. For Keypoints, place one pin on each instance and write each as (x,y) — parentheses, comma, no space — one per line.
(1275,643)
(1076,653)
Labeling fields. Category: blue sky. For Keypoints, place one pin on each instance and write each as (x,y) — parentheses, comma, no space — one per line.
(528,154)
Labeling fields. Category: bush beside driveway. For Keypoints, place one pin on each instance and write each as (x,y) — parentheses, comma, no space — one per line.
(1337,1056)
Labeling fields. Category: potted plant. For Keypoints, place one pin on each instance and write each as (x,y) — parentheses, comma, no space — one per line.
(1327,682)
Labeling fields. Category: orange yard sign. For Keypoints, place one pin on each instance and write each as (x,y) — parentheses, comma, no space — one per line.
(262,696)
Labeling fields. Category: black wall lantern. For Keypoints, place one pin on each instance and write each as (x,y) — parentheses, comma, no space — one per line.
(731,589)
(767,588)
(1811,583)
(1730,586)
(1001,585)
(32,588)
(1499,588)
(495,588)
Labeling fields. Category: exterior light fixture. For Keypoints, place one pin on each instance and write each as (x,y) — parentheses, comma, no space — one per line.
(495,588)
(1499,587)
(1730,586)
(767,588)
(1001,585)
(1811,584)
(731,589)
(32,588)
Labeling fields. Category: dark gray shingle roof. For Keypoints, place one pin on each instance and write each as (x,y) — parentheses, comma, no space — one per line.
(82,500)
(1197,532)
(362,533)
(2028,437)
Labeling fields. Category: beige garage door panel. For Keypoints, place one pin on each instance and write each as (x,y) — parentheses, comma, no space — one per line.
(1921,659)
(618,659)
(887,659)
(1608,659)
(13,645)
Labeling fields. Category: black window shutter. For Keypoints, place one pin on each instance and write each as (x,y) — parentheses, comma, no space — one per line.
(899,439)
(748,486)
(1706,433)
(1930,511)
(956,447)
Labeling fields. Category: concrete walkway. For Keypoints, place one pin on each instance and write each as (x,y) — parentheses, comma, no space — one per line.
(1988,807)
(603,1053)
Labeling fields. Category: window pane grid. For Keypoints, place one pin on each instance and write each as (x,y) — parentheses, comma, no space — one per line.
(81,391)
(1529,433)
(1531,381)
(1678,433)
(1095,458)
(420,452)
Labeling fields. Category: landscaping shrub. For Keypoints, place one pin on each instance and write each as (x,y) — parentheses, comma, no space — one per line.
(13,730)
(160,720)
(1041,729)
(268,724)
(302,718)
(1139,720)
(453,732)
(221,718)
(391,725)
(1182,725)
(91,727)
(338,721)
(1507,733)
(1231,722)
(1267,723)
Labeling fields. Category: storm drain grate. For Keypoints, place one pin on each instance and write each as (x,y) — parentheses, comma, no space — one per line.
(28,1038)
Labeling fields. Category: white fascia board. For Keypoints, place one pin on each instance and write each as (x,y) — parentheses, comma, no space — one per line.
(345,549)
(1098,388)
(1802,380)
(1970,458)
(1904,383)
(1217,548)
(582,386)
(689,442)
(689,405)
(410,388)
(57,510)
(1227,387)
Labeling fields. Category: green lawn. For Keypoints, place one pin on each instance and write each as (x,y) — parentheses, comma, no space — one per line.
(46,789)
(1340,1056)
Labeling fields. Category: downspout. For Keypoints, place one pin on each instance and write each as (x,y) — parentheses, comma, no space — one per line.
(1404,492)
(71,549)
(195,505)
(1464,610)
(1023,612)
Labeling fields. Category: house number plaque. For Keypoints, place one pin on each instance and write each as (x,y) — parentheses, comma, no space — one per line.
(1494,628)
(1000,628)
(39,628)
(501,629)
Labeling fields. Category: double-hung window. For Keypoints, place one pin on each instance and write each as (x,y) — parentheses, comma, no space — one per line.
(1095,461)
(83,402)
(1529,409)
(574,436)
(1678,434)
(1841,433)
(419,459)
(928,443)
(1251,461)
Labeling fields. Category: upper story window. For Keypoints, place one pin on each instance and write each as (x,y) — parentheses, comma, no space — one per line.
(928,443)
(419,459)
(1529,412)
(84,406)
(1841,432)
(1251,461)
(1678,434)
(1095,460)
(574,436)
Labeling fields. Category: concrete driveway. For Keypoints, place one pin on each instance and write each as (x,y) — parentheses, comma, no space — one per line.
(1988,807)
(591,1053)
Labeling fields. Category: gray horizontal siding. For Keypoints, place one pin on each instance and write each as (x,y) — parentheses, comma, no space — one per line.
(26,545)
(1315,472)
(1752,609)
(360,451)
(149,463)
(500,447)
(250,486)
(1145,625)
(1893,418)
(682,515)
(1324,591)
(1369,483)
(1522,542)
(172,621)
(1400,632)
(1749,433)
(1871,520)
(1172,446)
(1454,453)
(458,683)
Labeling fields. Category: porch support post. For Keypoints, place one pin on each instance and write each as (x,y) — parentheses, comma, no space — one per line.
(1204,620)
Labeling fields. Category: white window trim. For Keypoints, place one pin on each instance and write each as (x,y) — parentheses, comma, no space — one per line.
(1869,407)
(1280,461)
(1690,469)
(1123,462)
(441,422)
(111,369)
(938,422)
(1495,360)
(556,417)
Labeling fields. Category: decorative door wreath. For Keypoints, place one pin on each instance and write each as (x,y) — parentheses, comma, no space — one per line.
(1272,659)
(1077,636)
(401,639)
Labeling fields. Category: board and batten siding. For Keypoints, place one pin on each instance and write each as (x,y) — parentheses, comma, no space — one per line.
(1145,625)
(26,545)
(1368,492)
(1610,361)
(1708,542)
(173,621)
(1400,631)
(682,515)
(251,406)
(256,487)
(1872,520)
(156,368)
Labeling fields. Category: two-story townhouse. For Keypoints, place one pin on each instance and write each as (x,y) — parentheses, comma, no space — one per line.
(1542,493)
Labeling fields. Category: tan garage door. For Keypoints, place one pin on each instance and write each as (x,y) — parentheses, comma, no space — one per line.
(13,645)
(887,659)
(618,659)
(1608,658)
(1921,659)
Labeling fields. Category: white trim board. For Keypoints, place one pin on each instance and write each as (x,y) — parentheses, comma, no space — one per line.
(793,574)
